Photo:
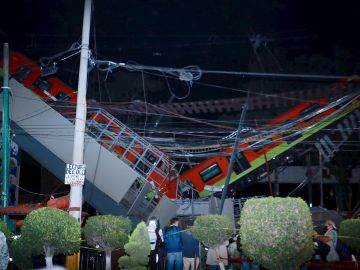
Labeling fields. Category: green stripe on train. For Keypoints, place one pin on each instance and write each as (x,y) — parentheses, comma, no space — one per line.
(283,147)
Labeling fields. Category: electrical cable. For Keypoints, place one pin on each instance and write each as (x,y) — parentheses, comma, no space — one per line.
(146,108)
(41,194)
(73,50)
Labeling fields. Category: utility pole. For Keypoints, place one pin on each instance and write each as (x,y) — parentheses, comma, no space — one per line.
(76,171)
(233,155)
(5,134)
(276,182)
(321,181)
(268,175)
(310,177)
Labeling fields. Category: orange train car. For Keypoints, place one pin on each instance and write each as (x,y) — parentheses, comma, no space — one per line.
(50,89)
(121,141)
(212,171)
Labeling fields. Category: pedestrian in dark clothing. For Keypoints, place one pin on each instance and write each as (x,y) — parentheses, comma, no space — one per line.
(190,249)
(173,245)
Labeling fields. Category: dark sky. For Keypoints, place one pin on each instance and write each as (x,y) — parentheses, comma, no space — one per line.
(210,34)
(171,25)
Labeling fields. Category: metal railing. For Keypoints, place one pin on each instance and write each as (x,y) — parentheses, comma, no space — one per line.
(146,159)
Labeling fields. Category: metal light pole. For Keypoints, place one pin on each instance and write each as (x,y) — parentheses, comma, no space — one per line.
(321,181)
(5,133)
(76,186)
(233,156)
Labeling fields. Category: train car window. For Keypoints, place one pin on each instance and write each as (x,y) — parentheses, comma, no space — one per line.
(159,164)
(43,85)
(311,108)
(21,73)
(151,158)
(241,163)
(210,172)
(61,96)
(102,122)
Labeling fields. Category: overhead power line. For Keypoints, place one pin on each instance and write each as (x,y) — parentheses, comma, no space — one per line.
(192,73)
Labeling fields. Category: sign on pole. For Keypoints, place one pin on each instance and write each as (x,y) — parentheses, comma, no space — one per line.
(75,174)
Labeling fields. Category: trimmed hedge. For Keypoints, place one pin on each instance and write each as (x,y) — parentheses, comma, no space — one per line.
(52,228)
(276,232)
(138,249)
(107,231)
(212,230)
(349,233)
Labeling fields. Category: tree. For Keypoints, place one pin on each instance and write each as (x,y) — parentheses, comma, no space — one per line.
(213,230)
(138,249)
(50,231)
(276,232)
(107,232)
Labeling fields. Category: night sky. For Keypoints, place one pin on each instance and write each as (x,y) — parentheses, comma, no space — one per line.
(277,36)
(210,34)
(298,36)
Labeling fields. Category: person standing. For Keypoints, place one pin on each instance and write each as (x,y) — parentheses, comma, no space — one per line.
(330,238)
(173,245)
(190,249)
(218,255)
(4,252)
(156,241)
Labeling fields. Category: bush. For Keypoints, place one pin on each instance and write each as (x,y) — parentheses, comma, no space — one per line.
(4,228)
(51,227)
(127,262)
(276,232)
(107,232)
(349,233)
(212,230)
(138,249)
(20,251)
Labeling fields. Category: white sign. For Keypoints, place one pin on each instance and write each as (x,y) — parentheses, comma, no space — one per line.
(75,174)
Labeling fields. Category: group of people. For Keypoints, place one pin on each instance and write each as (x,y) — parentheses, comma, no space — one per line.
(178,246)
(177,249)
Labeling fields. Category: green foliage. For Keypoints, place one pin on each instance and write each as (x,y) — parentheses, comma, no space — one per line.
(138,249)
(52,228)
(212,230)
(20,251)
(127,262)
(276,232)
(4,228)
(349,233)
(107,231)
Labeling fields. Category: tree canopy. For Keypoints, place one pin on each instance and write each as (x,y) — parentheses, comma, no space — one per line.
(107,232)
(213,230)
(138,249)
(51,227)
(276,232)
